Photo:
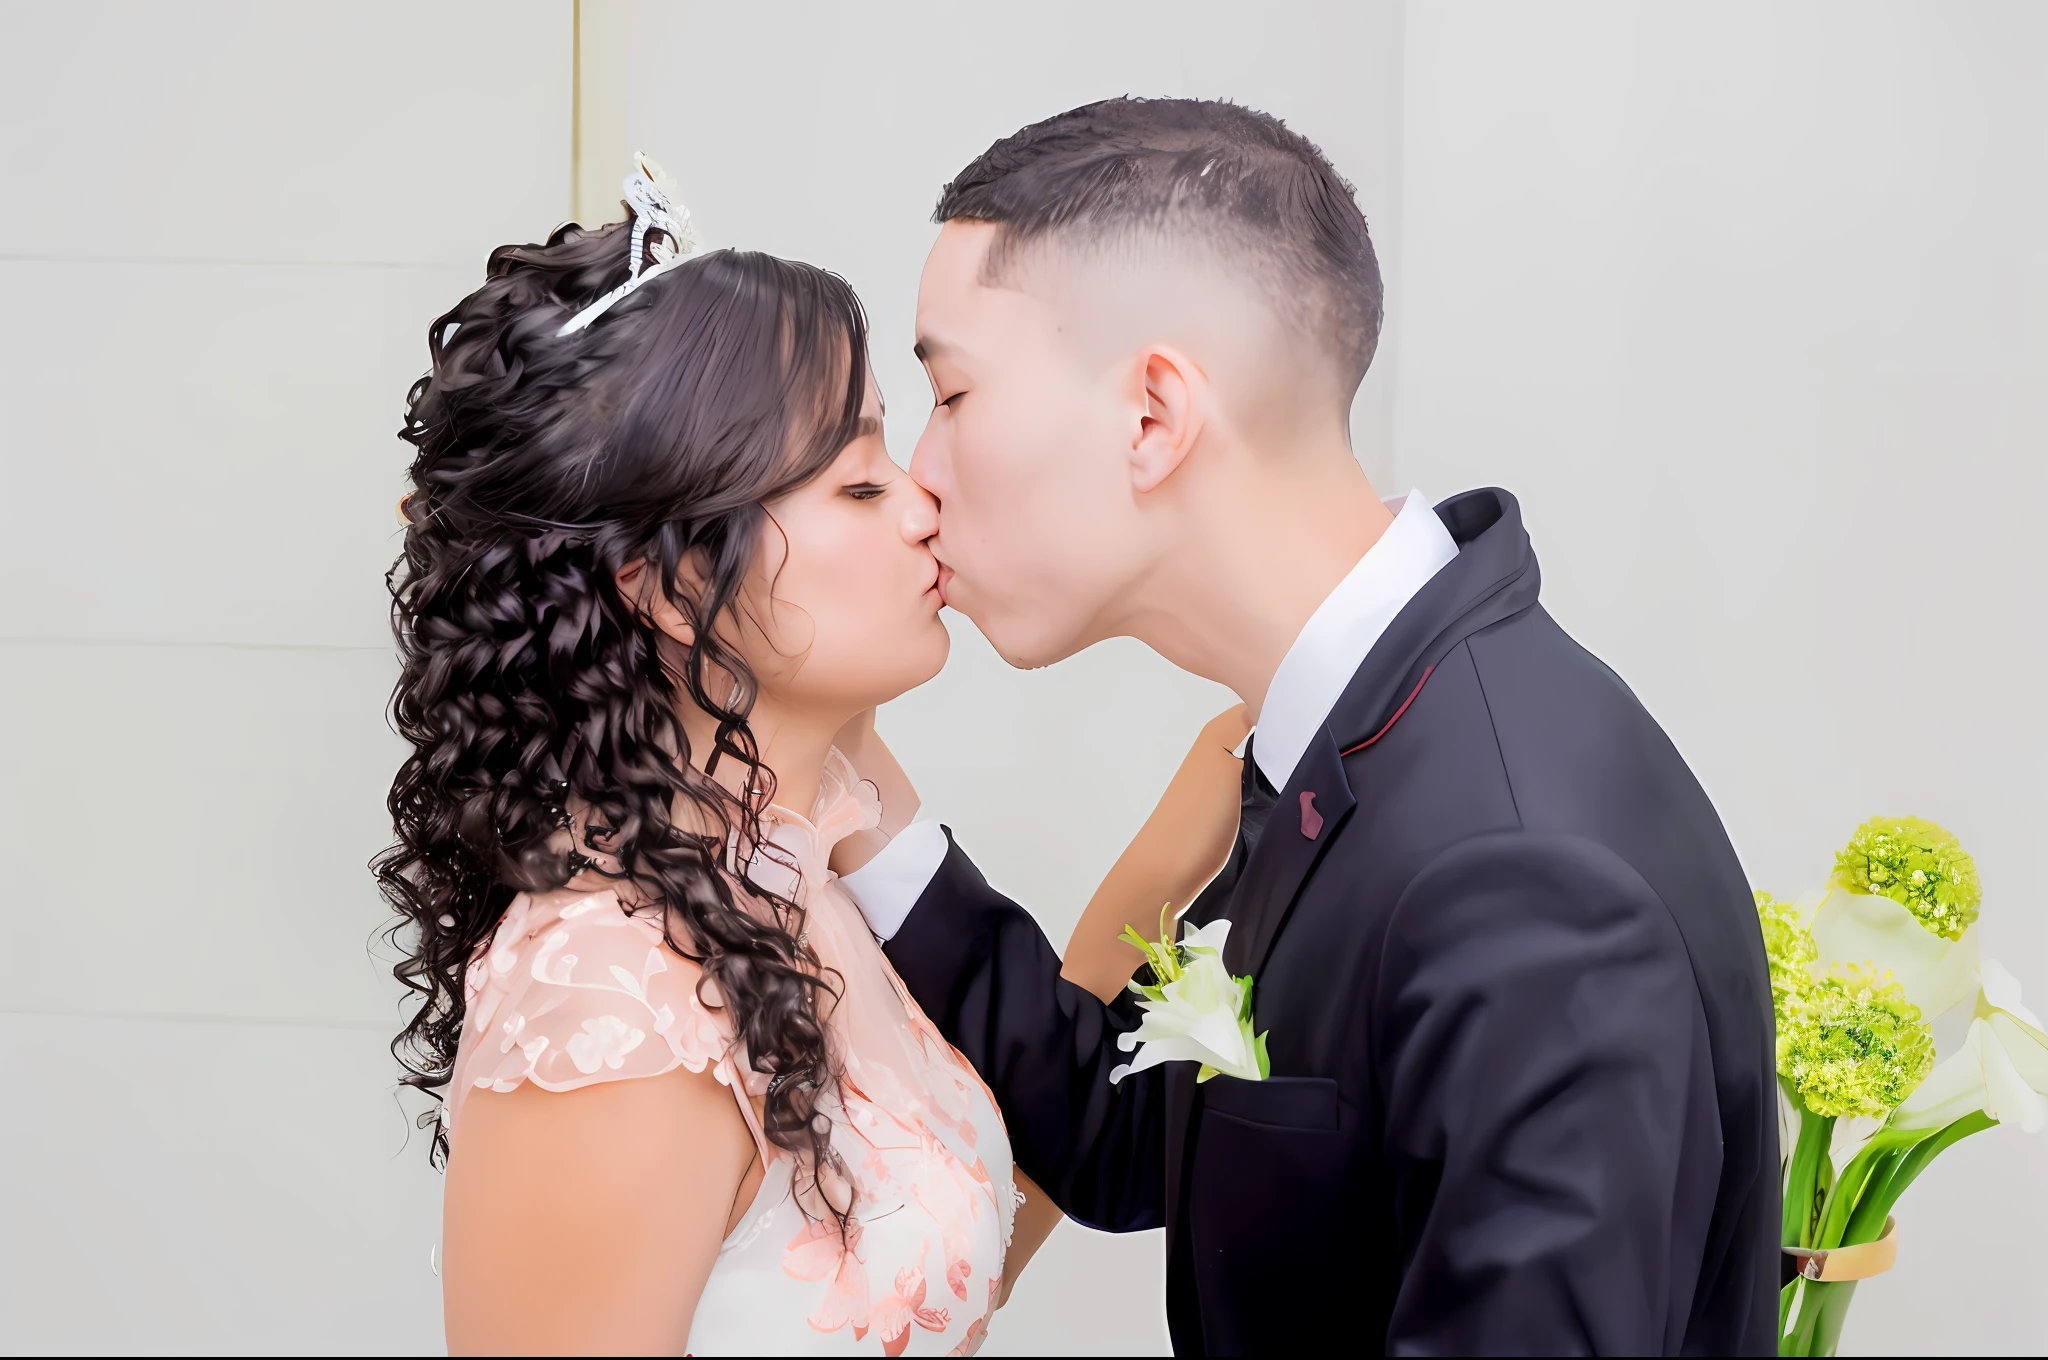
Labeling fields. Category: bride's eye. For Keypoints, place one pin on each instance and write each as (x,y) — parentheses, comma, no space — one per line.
(865,491)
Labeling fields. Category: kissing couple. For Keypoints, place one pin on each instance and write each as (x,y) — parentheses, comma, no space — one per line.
(1461,1042)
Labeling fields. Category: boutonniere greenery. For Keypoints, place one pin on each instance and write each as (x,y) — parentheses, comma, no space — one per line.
(1195,1011)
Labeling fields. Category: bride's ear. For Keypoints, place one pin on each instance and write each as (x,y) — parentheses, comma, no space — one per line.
(637,585)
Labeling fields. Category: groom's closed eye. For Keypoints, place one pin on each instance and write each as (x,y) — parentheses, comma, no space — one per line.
(929,351)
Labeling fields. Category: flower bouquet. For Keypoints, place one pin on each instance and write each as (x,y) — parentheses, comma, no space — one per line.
(1859,971)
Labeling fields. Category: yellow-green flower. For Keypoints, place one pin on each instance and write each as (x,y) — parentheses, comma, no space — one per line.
(1791,950)
(1853,1045)
(1918,865)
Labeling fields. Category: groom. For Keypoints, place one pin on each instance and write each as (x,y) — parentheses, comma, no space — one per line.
(1521,1093)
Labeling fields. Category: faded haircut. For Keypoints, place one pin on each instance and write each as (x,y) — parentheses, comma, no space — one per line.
(1258,196)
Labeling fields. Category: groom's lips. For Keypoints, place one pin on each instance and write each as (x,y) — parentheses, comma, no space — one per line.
(945,580)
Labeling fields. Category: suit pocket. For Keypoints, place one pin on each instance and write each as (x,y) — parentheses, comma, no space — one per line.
(1266,1212)
(1277,1102)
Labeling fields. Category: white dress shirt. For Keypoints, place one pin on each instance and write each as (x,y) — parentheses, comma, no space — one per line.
(1312,676)
(1334,642)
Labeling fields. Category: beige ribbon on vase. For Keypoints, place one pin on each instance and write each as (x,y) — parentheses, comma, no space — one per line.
(1831,1265)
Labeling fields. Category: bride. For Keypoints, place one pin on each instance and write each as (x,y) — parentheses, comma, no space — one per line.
(657,563)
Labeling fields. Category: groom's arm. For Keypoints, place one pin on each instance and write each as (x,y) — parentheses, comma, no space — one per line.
(986,975)
(1551,1118)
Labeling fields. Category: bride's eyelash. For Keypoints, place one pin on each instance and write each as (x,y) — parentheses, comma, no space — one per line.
(865,491)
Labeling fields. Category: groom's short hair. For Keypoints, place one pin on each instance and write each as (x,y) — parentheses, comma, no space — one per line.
(1258,194)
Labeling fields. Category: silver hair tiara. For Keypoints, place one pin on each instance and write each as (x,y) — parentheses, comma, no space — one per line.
(651,198)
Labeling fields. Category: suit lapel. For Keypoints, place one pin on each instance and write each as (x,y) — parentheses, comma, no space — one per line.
(1213,902)
(1255,890)
(1493,578)
(1305,819)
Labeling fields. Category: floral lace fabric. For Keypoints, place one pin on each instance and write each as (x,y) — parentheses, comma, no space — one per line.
(574,990)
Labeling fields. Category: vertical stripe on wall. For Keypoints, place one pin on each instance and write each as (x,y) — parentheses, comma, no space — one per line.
(598,158)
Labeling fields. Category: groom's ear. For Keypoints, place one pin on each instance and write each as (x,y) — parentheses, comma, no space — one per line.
(1174,399)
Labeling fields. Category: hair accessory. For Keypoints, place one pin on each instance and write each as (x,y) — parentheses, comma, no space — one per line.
(651,198)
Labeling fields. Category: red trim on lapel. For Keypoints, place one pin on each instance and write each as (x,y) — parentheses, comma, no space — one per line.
(1427,672)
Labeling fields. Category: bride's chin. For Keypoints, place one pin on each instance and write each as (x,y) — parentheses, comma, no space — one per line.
(937,646)
(924,655)
(890,664)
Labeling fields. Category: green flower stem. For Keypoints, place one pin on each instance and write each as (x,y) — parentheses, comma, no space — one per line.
(1976,1121)
(1848,1188)
(1866,1219)
(1819,1329)
(1871,1167)
(1855,1211)
(1820,1322)
(1810,1295)
(1803,1183)
(1881,1197)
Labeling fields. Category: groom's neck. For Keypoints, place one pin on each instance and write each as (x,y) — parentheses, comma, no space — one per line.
(1264,542)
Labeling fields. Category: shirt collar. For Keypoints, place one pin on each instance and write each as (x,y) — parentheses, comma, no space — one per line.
(1334,642)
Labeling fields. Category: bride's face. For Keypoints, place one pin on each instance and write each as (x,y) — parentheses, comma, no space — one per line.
(841,610)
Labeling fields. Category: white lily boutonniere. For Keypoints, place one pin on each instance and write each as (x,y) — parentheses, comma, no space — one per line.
(1195,1011)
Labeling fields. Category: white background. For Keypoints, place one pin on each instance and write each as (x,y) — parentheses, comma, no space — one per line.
(1745,301)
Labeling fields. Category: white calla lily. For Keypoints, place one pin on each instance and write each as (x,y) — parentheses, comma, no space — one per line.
(1853,928)
(2002,993)
(1197,1013)
(1197,1021)
(2001,1069)
(1207,939)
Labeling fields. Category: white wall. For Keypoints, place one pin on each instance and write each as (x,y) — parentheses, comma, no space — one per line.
(1744,301)
(226,228)
(1749,304)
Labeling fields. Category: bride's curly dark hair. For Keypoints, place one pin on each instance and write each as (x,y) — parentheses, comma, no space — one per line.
(546,464)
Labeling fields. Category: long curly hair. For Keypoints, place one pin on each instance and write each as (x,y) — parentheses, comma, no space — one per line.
(546,464)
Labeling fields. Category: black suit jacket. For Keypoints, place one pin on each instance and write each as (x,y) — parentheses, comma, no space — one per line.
(1522,1094)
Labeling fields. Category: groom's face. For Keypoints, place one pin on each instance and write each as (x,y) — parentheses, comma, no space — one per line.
(1037,533)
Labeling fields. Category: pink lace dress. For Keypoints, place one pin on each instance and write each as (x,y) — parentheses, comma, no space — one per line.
(572,991)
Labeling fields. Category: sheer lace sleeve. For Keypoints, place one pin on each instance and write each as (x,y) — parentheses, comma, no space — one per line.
(576,992)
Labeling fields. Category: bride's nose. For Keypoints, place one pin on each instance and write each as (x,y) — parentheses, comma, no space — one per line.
(920,519)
